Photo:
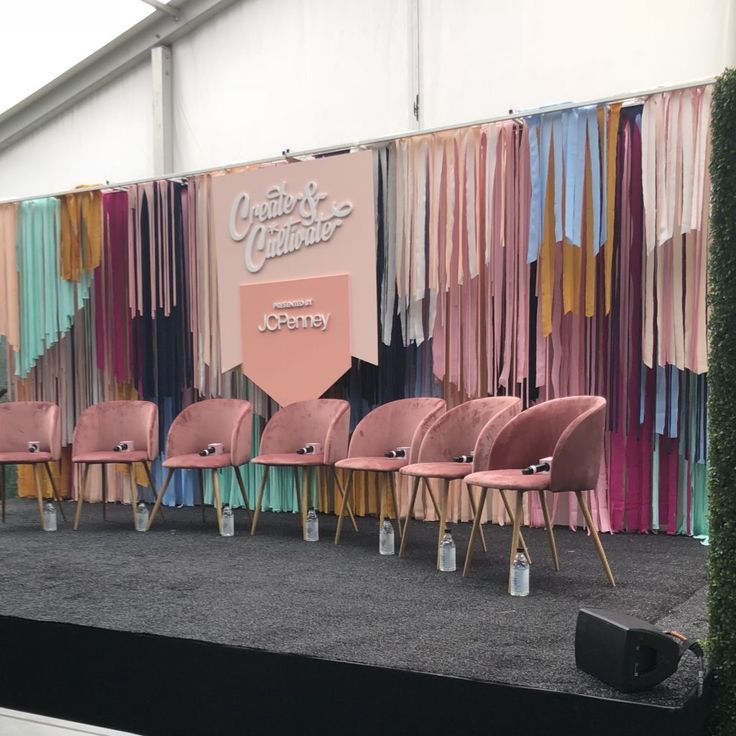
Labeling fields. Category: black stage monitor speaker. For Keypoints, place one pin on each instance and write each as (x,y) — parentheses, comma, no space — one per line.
(624,651)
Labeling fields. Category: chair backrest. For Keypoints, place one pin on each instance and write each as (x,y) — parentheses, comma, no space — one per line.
(227,421)
(401,423)
(570,430)
(22,422)
(101,426)
(508,407)
(316,420)
(457,432)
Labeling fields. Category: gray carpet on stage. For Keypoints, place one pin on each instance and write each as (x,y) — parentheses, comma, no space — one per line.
(276,592)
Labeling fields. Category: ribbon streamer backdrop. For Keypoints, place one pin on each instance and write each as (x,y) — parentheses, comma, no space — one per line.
(564,253)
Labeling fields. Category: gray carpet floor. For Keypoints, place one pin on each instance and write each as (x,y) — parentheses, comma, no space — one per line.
(276,592)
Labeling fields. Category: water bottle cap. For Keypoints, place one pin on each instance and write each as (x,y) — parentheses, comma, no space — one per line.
(520,549)
(311,508)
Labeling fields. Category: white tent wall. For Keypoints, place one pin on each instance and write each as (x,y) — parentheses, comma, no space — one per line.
(264,75)
(106,136)
(481,59)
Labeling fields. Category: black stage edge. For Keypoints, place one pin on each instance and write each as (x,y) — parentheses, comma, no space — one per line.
(163,686)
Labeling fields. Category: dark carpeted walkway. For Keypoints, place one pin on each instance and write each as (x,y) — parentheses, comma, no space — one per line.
(276,592)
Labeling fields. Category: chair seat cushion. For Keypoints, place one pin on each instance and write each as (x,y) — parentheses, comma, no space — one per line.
(110,456)
(195,460)
(373,464)
(509,480)
(447,470)
(22,458)
(289,458)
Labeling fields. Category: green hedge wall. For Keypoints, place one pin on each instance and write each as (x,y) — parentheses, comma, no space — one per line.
(722,407)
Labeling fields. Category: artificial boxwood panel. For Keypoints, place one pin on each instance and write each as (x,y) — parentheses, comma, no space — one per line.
(722,406)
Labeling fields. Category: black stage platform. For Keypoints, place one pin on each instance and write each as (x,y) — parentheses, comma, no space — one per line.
(180,631)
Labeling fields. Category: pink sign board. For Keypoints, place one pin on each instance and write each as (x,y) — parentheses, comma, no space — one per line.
(295,335)
(292,221)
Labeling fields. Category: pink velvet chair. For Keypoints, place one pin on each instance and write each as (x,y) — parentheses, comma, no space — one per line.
(226,421)
(468,428)
(22,422)
(325,421)
(570,430)
(102,426)
(401,423)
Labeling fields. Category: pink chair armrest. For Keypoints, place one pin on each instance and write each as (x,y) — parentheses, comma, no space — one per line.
(54,438)
(240,445)
(489,434)
(336,439)
(576,460)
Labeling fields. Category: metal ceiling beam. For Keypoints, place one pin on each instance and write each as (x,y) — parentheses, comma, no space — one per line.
(164,8)
(117,57)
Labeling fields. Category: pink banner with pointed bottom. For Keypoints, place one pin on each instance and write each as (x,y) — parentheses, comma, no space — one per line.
(295,335)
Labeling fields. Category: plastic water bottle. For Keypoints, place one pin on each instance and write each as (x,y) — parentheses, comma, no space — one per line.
(141,517)
(519,584)
(447,552)
(228,522)
(386,538)
(311,531)
(49,517)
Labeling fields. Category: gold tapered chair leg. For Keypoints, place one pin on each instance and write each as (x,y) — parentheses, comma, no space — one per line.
(596,538)
(305,497)
(259,501)
(383,479)
(428,488)
(346,492)
(342,488)
(160,497)
(147,468)
(474,530)
(511,520)
(395,501)
(55,491)
(550,530)
(480,526)
(103,470)
(39,492)
(80,496)
(241,485)
(133,490)
(409,512)
(2,490)
(200,485)
(218,500)
(518,516)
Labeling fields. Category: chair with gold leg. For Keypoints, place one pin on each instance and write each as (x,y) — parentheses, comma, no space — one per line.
(570,430)
(468,428)
(226,422)
(324,422)
(23,422)
(401,423)
(102,427)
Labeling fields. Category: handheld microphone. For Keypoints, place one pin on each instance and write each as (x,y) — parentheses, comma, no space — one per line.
(311,448)
(395,453)
(463,458)
(34,446)
(533,469)
(214,448)
(124,446)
